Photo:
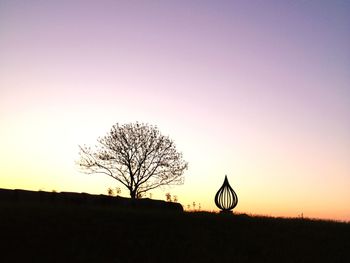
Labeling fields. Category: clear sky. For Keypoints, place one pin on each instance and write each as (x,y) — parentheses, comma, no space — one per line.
(257,90)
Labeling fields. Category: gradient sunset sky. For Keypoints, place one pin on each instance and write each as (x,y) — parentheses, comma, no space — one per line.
(257,90)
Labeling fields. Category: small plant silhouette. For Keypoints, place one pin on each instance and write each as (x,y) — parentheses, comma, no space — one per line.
(168,197)
(110,192)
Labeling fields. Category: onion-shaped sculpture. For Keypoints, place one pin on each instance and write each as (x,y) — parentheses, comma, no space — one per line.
(226,199)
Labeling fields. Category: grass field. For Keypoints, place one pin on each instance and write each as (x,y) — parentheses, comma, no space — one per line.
(46,233)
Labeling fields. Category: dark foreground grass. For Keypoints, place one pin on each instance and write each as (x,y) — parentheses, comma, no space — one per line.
(33,233)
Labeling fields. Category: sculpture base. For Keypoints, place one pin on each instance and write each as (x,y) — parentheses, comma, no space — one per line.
(226,212)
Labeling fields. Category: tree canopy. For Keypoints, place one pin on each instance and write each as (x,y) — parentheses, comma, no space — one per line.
(137,155)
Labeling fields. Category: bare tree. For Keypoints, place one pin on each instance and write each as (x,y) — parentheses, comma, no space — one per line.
(138,156)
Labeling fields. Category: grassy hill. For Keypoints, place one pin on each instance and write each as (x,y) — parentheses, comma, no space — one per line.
(33,232)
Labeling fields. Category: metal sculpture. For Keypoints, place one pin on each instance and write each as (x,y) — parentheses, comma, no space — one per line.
(226,199)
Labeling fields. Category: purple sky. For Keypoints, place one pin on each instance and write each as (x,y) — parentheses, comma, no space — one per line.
(257,90)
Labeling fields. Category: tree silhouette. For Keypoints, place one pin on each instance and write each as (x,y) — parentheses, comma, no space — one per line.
(137,155)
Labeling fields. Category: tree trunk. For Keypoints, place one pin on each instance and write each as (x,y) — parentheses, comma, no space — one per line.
(133,194)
